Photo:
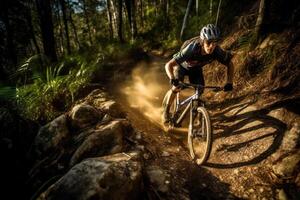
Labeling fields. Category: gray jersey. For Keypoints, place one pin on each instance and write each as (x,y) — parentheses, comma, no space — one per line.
(191,56)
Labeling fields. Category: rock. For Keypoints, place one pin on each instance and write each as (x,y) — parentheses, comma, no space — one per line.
(96,96)
(278,113)
(138,136)
(236,171)
(287,166)
(282,195)
(146,156)
(165,154)
(265,43)
(117,176)
(112,108)
(158,178)
(291,138)
(107,118)
(52,136)
(84,115)
(105,140)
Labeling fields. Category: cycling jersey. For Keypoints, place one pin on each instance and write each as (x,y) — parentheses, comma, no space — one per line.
(191,56)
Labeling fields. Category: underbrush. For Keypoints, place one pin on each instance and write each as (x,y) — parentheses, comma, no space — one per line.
(44,90)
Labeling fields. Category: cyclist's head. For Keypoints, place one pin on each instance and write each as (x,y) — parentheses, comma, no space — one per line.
(209,35)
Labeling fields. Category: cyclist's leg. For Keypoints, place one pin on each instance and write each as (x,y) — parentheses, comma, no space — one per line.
(196,76)
(171,94)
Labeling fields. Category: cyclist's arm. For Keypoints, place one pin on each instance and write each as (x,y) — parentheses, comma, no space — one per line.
(225,57)
(178,58)
(169,67)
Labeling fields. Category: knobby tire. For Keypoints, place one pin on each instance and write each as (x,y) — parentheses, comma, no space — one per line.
(200,147)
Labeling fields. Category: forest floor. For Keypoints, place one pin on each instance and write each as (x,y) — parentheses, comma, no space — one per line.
(245,139)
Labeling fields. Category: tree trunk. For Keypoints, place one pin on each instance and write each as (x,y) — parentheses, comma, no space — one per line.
(129,9)
(74,27)
(12,56)
(218,12)
(59,40)
(45,17)
(259,21)
(87,21)
(114,18)
(189,6)
(197,8)
(31,28)
(133,19)
(64,10)
(210,8)
(109,18)
(120,22)
(141,13)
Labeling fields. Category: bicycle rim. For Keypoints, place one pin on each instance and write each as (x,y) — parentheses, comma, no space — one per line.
(200,136)
(173,105)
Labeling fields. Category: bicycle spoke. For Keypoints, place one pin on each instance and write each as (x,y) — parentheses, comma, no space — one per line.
(199,139)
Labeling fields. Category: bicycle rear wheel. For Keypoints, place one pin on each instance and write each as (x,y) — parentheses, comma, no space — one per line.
(199,135)
(173,104)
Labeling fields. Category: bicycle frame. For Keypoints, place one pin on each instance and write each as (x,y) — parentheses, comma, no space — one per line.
(189,101)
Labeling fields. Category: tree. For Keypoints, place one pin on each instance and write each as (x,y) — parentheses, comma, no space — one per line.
(130,7)
(87,20)
(46,24)
(73,25)
(11,51)
(218,12)
(109,19)
(120,21)
(259,23)
(64,10)
(187,12)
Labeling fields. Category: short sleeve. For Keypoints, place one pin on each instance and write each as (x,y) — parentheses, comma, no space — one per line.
(185,53)
(222,56)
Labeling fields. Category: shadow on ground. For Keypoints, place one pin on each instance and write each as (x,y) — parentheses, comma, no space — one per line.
(230,122)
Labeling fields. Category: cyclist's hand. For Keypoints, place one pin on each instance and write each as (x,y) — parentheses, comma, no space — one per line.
(228,87)
(174,82)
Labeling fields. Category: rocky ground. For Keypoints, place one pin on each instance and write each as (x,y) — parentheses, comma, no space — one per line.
(255,150)
(111,145)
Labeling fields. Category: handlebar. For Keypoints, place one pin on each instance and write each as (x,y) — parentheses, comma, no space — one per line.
(199,86)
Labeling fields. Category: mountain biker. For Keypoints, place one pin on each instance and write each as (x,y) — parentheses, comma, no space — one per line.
(190,61)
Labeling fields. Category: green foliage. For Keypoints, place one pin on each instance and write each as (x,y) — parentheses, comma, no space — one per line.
(7,92)
(52,92)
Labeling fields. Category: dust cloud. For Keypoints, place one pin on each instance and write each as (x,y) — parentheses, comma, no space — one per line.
(146,89)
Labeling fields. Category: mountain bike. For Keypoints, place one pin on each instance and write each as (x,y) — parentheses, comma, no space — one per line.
(199,125)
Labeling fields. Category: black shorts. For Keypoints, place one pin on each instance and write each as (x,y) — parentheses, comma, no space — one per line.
(195,74)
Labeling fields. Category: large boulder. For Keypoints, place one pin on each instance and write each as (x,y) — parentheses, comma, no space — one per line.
(84,115)
(111,107)
(106,139)
(52,136)
(116,177)
(102,101)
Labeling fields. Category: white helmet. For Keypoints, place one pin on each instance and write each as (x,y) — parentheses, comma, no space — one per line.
(210,32)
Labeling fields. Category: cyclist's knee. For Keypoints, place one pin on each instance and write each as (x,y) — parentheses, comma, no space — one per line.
(175,89)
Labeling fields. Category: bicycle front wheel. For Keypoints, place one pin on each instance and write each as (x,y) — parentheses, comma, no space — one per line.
(199,135)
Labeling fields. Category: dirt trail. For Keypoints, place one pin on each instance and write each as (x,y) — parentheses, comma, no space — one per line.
(244,140)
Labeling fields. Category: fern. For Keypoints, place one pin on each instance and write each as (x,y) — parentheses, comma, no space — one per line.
(7,92)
